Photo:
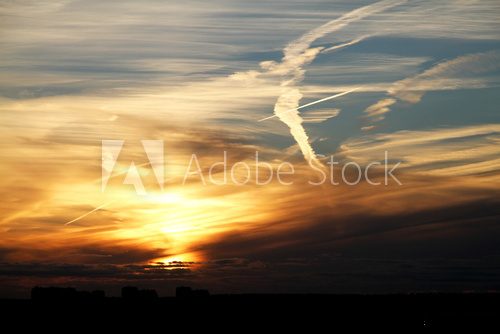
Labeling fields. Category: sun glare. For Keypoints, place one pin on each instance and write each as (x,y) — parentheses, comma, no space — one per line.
(186,258)
(167,198)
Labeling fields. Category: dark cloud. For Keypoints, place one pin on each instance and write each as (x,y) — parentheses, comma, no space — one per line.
(469,229)
(448,249)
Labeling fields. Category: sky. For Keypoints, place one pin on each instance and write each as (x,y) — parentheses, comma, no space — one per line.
(418,85)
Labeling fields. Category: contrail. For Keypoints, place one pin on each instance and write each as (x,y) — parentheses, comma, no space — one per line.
(298,54)
(121,173)
(105,204)
(343,45)
(311,103)
(88,213)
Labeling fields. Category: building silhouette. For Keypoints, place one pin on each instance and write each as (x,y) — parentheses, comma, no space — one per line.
(65,294)
(134,293)
(187,292)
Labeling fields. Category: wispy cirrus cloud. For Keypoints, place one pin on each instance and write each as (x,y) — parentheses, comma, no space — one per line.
(469,150)
(458,73)
(319,116)
(380,108)
(451,74)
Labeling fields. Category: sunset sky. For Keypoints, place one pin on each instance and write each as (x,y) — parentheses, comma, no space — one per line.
(423,86)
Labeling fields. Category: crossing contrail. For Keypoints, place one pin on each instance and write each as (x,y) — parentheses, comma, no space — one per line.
(343,45)
(88,213)
(312,103)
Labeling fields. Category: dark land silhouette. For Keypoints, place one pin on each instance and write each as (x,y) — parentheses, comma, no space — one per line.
(196,307)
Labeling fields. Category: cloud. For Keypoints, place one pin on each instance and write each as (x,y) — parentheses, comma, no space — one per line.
(359,235)
(380,108)
(457,73)
(299,53)
(453,152)
(367,128)
(298,47)
(192,80)
(319,116)
(445,75)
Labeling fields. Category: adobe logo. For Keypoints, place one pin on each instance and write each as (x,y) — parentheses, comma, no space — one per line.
(154,150)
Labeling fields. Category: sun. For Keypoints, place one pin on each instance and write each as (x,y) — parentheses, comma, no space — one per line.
(187,258)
